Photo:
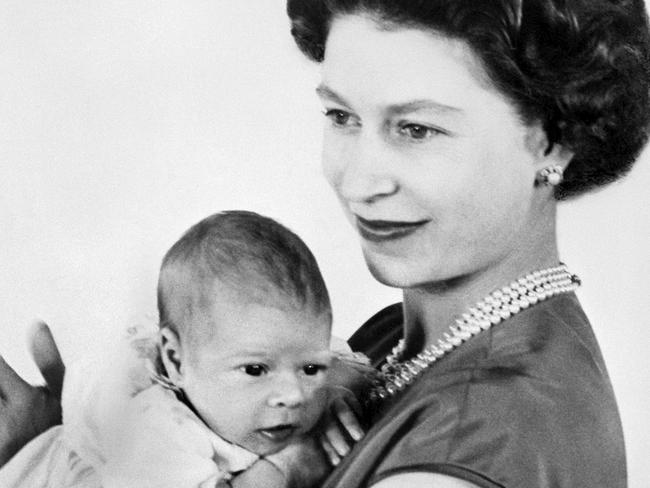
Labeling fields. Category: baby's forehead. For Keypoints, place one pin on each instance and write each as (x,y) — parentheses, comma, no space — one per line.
(254,310)
(193,295)
(283,338)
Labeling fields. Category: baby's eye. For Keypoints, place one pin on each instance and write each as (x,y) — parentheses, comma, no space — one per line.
(313,369)
(418,132)
(339,117)
(255,369)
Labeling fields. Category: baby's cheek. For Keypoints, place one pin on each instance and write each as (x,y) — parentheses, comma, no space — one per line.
(319,401)
(321,394)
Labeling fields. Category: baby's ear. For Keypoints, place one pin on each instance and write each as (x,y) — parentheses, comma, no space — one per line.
(170,352)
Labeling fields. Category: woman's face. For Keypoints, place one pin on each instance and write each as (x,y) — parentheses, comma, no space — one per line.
(432,164)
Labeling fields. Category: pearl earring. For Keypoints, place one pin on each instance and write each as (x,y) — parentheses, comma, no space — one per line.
(551,175)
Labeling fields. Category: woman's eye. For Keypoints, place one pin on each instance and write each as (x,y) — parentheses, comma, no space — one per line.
(254,369)
(338,117)
(313,369)
(418,132)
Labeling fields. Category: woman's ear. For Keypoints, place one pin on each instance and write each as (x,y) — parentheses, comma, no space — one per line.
(546,154)
(171,354)
(557,155)
(549,160)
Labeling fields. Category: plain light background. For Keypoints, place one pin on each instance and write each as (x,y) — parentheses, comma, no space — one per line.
(123,122)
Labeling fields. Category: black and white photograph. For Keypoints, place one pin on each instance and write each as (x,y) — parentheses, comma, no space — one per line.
(324,243)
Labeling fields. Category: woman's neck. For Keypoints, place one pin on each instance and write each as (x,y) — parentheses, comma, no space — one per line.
(429,310)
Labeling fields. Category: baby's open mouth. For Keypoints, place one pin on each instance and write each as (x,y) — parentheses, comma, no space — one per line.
(279,433)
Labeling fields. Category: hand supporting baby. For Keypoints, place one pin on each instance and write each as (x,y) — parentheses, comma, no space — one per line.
(26,410)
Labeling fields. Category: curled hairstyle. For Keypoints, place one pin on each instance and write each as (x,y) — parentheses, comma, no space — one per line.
(580,67)
(246,251)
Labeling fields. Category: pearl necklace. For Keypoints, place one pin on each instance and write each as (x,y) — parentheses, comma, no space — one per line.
(493,309)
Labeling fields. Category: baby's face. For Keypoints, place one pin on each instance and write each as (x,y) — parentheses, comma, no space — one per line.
(258,380)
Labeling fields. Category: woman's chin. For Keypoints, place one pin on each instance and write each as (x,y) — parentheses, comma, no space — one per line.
(395,272)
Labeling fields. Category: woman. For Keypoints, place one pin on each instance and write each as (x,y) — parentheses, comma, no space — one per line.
(452,128)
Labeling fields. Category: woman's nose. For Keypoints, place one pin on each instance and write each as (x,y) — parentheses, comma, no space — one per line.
(364,172)
(287,392)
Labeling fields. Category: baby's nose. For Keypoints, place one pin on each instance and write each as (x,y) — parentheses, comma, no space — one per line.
(288,392)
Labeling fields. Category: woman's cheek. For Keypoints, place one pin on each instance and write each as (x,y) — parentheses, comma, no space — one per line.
(333,158)
(329,168)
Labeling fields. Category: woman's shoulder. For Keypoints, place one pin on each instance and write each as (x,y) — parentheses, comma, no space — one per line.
(538,375)
(552,339)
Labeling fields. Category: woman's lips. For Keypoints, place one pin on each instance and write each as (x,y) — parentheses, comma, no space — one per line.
(383,230)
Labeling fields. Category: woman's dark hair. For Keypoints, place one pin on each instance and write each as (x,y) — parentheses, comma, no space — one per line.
(581,67)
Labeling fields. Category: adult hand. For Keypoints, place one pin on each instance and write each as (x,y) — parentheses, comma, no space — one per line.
(26,410)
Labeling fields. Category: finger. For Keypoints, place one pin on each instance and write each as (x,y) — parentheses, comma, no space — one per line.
(337,439)
(348,419)
(47,357)
(10,383)
(331,453)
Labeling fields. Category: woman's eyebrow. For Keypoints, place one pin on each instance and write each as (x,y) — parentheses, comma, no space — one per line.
(419,105)
(323,91)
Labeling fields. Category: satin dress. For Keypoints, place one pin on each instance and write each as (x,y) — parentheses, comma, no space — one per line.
(527,404)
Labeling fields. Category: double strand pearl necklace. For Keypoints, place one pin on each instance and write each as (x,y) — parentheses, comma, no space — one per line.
(496,307)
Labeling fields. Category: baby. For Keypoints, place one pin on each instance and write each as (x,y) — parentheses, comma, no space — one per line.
(240,375)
